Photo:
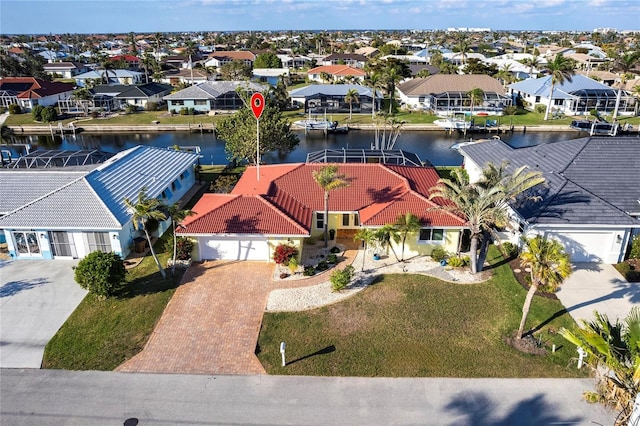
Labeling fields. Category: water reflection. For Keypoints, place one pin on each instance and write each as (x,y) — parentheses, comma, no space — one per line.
(431,146)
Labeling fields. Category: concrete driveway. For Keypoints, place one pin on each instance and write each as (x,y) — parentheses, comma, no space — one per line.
(598,287)
(36,298)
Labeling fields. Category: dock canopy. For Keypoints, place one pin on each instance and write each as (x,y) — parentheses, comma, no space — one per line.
(60,158)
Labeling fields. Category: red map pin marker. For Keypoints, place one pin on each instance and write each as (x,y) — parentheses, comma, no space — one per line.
(257,104)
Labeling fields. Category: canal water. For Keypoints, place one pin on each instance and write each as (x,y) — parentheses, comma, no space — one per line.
(430,146)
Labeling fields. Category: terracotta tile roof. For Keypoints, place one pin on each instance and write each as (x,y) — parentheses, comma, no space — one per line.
(283,200)
(31,87)
(340,70)
(238,214)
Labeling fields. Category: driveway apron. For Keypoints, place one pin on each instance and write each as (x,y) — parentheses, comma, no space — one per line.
(598,287)
(211,324)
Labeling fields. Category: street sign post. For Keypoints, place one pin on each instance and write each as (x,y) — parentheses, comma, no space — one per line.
(257,106)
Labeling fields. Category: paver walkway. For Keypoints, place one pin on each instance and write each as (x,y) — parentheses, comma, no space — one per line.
(212,322)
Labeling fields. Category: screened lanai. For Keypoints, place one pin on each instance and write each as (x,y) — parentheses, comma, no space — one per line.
(60,158)
(450,102)
(396,156)
(604,101)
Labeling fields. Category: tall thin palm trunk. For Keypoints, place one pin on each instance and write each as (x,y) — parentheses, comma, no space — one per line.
(527,305)
(153,254)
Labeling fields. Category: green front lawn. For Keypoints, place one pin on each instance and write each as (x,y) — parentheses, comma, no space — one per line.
(418,326)
(102,334)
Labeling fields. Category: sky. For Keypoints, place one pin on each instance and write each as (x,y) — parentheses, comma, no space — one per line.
(150,16)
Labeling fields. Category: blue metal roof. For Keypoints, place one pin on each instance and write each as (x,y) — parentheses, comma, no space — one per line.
(542,86)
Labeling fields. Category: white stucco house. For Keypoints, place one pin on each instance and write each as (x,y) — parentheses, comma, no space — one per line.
(591,200)
(69,212)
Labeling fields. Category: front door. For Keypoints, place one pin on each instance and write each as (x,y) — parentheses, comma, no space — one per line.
(62,244)
(26,243)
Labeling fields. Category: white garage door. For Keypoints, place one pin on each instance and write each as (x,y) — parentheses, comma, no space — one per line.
(231,248)
(587,246)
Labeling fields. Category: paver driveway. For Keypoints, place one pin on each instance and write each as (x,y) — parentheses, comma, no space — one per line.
(211,324)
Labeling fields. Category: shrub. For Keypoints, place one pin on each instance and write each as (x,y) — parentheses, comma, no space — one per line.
(3,110)
(36,112)
(49,114)
(15,109)
(184,111)
(152,106)
(332,258)
(466,260)
(341,278)
(456,262)
(103,274)
(593,112)
(323,265)
(293,264)
(510,110)
(130,109)
(628,272)
(311,241)
(510,249)
(283,254)
(438,254)
(309,271)
(635,248)
(334,250)
(184,247)
(541,109)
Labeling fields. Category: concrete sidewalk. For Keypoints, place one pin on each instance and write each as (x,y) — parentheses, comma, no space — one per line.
(598,287)
(33,397)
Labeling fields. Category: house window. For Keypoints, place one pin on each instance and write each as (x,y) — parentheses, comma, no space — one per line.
(558,102)
(26,242)
(178,102)
(537,99)
(421,98)
(345,220)
(356,220)
(200,102)
(432,235)
(99,241)
(319,220)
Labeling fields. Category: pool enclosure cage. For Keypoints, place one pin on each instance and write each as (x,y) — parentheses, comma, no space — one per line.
(396,157)
(603,101)
(450,102)
(42,159)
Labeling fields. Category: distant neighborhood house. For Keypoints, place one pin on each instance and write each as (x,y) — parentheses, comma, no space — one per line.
(30,91)
(211,96)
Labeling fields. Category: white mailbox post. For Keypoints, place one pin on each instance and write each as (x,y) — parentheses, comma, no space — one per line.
(581,354)
(283,346)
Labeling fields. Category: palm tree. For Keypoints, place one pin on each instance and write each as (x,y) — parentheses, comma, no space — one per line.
(614,353)
(147,63)
(549,264)
(386,235)
(483,205)
(329,179)
(463,48)
(392,77)
(532,63)
(142,210)
(560,69)
(159,39)
(476,95)
(374,82)
(177,215)
(367,236)
(406,224)
(351,97)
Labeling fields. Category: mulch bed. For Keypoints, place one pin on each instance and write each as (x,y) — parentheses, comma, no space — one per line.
(523,278)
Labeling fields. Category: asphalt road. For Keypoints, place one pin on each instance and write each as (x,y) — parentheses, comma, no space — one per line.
(48,397)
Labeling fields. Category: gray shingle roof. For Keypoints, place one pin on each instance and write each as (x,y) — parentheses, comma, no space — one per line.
(213,89)
(589,180)
(91,199)
(331,90)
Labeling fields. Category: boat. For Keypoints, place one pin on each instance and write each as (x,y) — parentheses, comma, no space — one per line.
(595,127)
(459,145)
(453,123)
(321,124)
